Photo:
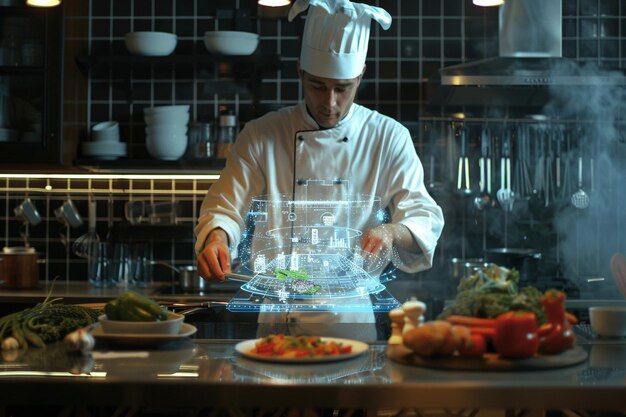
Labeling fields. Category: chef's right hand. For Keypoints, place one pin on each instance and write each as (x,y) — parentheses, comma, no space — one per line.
(214,260)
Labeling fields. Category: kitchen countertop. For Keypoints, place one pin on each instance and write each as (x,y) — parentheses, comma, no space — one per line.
(200,373)
(82,292)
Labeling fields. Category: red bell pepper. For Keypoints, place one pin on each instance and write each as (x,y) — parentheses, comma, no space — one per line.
(516,334)
(560,336)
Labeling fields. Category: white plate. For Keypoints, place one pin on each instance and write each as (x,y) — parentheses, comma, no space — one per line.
(245,348)
(186,330)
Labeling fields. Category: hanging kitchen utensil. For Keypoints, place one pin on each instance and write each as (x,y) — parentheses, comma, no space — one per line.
(463,178)
(580,199)
(483,200)
(548,188)
(565,194)
(523,183)
(84,245)
(433,185)
(538,179)
(557,163)
(505,195)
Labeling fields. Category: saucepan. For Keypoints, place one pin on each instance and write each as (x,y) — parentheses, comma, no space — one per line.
(188,277)
(191,281)
(461,267)
(526,261)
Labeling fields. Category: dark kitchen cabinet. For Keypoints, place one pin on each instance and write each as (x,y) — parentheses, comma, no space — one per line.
(31,102)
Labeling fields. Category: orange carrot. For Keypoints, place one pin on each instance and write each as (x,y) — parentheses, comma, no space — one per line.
(471,321)
(484,331)
(571,318)
(544,329)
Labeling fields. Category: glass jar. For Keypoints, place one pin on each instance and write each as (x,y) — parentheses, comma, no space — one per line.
(226,135)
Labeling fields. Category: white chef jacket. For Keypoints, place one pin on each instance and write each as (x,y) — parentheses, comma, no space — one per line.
(277,153)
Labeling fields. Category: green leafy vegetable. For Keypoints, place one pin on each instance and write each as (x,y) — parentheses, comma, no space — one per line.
(46,322)
(285,273)
(492,291)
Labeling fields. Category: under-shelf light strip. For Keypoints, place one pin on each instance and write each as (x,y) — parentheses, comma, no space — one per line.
(207,177)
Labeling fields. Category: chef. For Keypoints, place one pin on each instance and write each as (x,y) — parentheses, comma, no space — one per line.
(328,138)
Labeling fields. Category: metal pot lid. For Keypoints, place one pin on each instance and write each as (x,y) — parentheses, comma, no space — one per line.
(514,251)
(18,250)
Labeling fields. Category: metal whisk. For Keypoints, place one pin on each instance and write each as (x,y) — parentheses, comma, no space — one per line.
(83,245)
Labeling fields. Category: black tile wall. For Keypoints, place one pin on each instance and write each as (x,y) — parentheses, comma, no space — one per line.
(426,35)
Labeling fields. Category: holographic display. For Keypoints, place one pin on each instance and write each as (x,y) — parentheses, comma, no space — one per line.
(304,253)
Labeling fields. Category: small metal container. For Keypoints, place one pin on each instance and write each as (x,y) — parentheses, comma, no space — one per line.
(189,279)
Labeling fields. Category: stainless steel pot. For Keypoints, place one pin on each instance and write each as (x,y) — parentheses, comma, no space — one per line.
(526,261)
(190,280)
(460,267)
(188,277)
(19,268)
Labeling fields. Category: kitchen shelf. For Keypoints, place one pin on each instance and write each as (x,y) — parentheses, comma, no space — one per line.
(151,165)
(256,61)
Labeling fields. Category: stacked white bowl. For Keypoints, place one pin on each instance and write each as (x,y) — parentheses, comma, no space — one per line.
(105,143)
(151,43)
(166,131)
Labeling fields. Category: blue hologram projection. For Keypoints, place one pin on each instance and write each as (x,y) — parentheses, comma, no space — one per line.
(304,253)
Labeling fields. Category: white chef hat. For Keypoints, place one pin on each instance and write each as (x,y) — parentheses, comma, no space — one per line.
(336,36)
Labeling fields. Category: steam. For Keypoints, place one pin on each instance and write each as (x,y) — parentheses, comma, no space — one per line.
(589,237)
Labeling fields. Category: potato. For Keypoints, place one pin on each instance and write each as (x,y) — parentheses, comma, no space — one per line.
(456,338)
(427,339)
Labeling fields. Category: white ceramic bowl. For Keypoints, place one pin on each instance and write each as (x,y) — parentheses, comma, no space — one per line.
(167,146)
(229,42)
(170,326)
(106,131)
(177,108)
(103,148)
(167,118)
(166,129)
(151,43)
(608,321)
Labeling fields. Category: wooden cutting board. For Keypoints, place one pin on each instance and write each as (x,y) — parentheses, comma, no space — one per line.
(489,362)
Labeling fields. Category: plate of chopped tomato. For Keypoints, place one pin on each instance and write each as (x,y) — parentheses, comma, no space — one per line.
(286,348)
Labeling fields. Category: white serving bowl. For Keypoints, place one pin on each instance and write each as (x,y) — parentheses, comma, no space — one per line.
(151,43)
(608,321)
(177,108)
(167,146)
(229,42)
(170,326)
(167,118)
(166,129)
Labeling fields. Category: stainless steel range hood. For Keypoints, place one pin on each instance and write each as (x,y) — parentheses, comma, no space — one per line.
(529,60)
